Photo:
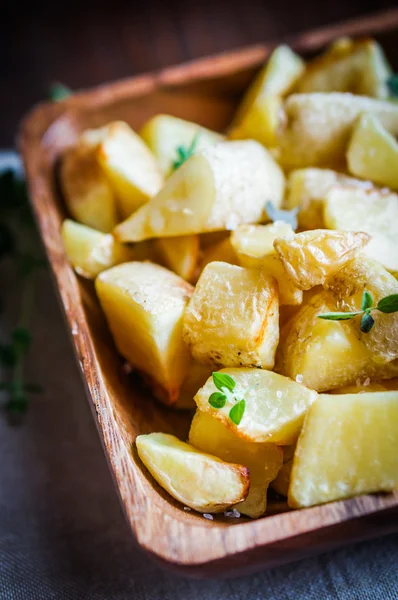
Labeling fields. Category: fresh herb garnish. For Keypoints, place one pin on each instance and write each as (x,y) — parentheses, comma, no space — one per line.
(392,84)
(184,152)
(237,411)
(217,400)
(287,216)
(59,91)
(18,242)
(387,305)
(226,384)
(222,380)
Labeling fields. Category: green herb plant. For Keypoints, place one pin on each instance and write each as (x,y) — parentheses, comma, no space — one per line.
(184,152)
(225,383)
(387,305)
(18,243)
(287,216)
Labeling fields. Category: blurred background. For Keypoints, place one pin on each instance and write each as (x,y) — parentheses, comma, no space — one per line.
(85,43)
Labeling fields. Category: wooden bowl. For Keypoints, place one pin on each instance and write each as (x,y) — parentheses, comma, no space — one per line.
(206,91)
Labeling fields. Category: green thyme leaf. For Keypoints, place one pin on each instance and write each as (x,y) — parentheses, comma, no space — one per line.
(184,152)
(287,216)
(236,413)
(222,381)
(367,323)
(389,304)
(367,301)
(338,316)
(59,91)
(217,400)
(392,84)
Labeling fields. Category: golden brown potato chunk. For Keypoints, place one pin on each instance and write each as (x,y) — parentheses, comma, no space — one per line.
(327,354)
(197,480)
(309,258)
(215,189)
(274,406)
(144,306)
(347,447)
(90,251)
(232,317)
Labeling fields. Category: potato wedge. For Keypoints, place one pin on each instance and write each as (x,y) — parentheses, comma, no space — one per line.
(275,405)
(216,189)
(130,166)
(374,211)
(347,447)
(164,134)
(144,306)
(180,254)
(89,251)
(86,190)
(263,460)
(349,285)
(356,66)
(232,317)
(332,346)
(311,257)
(307,189)
(254,247)
(315,128)
(257,115)
(373,152)
(200,481)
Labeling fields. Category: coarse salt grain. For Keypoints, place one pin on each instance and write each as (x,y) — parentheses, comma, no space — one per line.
(208,516)
(299,378)
(235,514)
(279,394)
(366,382)
(187,508)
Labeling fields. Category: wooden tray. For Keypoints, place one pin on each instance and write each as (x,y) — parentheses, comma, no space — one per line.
(206,91)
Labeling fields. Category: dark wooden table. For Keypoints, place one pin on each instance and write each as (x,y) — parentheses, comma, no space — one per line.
(84,43)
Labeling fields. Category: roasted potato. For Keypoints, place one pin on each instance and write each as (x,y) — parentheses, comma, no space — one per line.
(216,189)
(257,115)
(374,211)
(130,166)
(356,66)
(347,447)
(281,482)
(275,406)
(263,460)
(86,190)
(307,189)
(180,254)
(197,480)
(349,284)
(368,386)
(373,152)
(326,354)
(315,128)
(311,257)
(254,247)
(232,317)
(144,306)
(89,251)
(164,134)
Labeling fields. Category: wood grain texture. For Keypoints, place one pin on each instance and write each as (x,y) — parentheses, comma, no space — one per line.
(205,91)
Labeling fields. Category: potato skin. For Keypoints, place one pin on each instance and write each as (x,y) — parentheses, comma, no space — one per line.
(309,258)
